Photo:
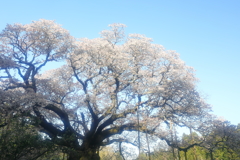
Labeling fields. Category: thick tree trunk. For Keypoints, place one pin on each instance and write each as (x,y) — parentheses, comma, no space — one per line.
(83,155)
(90,156)
(74,155)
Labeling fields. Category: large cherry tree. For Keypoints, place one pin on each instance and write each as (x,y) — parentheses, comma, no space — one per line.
(106,85)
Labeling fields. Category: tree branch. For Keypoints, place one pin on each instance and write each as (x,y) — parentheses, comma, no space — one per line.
(64,117)
(51,130)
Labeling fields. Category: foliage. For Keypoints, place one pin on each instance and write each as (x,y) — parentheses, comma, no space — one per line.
(222,140)
(108,85)
(20,140)
(219,141)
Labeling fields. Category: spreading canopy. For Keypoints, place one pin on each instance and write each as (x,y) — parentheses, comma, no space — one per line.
(108,85)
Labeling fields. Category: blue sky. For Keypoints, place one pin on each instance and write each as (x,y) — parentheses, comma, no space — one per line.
(206,33)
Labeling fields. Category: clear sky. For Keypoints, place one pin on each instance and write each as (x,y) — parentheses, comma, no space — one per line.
(206,33)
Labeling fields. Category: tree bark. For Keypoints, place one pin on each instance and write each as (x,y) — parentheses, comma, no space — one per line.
(211,154)
(87,154)
(149,156)
(120,150)
(90,157)
(185,154)
(173,152)
(139,140)
(74,155)
(83,155)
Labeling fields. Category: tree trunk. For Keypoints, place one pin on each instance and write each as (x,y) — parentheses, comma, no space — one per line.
(149,156)
(185,154)
(74,155)
(120,150)
(83,155)
(173,152)
(175,136)
(211,154)
(139,140)
(90,157)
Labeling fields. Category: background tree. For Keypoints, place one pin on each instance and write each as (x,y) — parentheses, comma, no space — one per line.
(20,140)
(96,95)
(220,140)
